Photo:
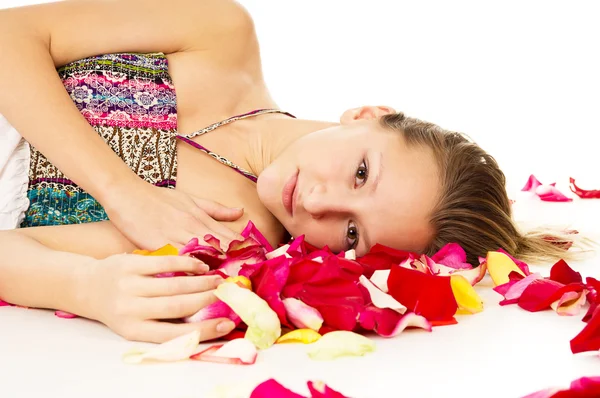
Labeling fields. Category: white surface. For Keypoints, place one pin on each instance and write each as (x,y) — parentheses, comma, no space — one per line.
(502,352)
(520,77)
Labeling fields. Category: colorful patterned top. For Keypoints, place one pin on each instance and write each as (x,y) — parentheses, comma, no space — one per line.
(130,100)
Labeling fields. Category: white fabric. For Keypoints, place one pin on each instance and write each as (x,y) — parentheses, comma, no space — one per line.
(14,169)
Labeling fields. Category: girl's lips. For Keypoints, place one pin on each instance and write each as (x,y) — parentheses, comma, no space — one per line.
(287,194)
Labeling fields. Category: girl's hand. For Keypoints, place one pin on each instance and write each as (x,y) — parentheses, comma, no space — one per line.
(151,217)
(122,292)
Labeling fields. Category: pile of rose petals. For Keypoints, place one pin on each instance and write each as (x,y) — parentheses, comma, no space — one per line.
(301,294)
(564,291)
(585,387)
(546,192)
(273,389)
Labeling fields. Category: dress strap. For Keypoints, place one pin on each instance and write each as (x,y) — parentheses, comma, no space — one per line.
(235,118)
(188,139)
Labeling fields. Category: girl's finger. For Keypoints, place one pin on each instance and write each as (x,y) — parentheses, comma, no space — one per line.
(180,285)
(152,265)
(160,332)
(174,307)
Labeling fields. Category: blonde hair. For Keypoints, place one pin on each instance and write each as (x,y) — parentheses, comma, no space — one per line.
(473,208)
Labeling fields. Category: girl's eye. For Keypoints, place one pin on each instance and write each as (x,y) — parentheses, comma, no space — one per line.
(362,173)
(352,236)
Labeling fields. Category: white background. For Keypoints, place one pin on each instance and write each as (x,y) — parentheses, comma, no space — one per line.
(520,77)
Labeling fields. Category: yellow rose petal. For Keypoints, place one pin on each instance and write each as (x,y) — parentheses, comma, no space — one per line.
(499,266)
(466,297)
(241,281)
(167,250)
(304,336)
(263,323)
(340,343)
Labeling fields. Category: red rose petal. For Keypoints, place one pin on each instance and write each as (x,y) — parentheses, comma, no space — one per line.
(589,338)
(389,323)
(583,193)
(453,256)
(268,282)
(447,322)
(381,257)
(541,293)
(271,389)
(426,295)
(561,272)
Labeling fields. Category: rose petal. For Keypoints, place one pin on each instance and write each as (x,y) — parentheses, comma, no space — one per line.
(426,295)
(5,304)
(521,264)
(304,336)
(379,298)
(252,232)
(340,343)
(516,289)
(452,255)
(589,337)
(531,184)
(380,278)
(541,293)
(213,311)
(561,272)
(280,251)
(237,352)
(269,281)
(473,275)
(582,193)
(381,258)
(241,281)
(167,250)
(318,389)
(547,393)
(301,315)
(263,324)
(499,266)
(466,297)
(549,193)
(179,348)
(388,323)
(272,389)
(570,303)
(65,315)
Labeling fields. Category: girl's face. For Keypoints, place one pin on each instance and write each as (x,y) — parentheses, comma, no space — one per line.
(353,185)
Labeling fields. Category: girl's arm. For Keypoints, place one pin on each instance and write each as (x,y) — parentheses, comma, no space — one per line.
(35,40)
(49,267)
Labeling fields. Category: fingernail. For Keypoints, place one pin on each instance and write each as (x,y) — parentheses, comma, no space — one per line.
(202,266)
(218,281)
(225,326)
(238,208)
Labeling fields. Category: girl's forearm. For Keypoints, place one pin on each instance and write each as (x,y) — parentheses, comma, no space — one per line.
(34,100)
(32,275)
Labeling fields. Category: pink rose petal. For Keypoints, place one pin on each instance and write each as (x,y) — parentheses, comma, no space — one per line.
(301,315)
(4,304)
(515,291)
(453,256)
(65,315)
(252,232)
(550,193)
(272,389)
(213,311)
(570,303)
(531,184)
(318,389)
